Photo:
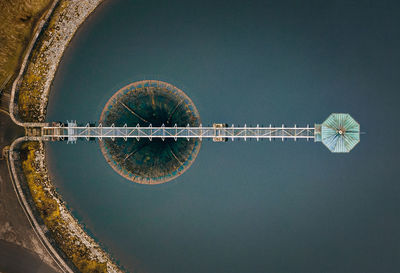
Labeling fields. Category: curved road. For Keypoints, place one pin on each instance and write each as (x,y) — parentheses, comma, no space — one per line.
(15,226)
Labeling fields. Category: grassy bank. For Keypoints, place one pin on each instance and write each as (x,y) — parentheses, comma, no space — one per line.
(43,194)
(18,19)
(32,95)
(45,56)
(34,79)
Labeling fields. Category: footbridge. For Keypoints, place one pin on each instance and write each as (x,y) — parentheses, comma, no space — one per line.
(218,132)
(339,132)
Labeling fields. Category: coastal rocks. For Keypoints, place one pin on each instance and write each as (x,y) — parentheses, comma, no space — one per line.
(33,91)
(44,60)
(70,236)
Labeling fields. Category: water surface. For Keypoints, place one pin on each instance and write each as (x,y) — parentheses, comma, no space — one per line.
(242,206)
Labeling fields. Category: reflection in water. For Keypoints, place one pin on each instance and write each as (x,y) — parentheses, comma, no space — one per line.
(148,103)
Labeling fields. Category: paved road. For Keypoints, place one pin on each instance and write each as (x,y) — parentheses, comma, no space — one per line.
(15,228)
(8,130)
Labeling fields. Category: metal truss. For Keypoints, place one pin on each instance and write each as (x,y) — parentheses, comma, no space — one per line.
(218,132)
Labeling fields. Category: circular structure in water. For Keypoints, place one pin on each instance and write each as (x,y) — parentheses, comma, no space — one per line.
(148,161)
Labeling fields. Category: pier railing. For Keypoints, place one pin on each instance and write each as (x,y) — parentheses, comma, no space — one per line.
(218,132)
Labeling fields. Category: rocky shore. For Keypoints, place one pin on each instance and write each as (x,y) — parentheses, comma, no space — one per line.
(69,235)
(32,92)
(39,73)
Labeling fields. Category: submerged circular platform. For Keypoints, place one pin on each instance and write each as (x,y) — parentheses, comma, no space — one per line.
(150,161)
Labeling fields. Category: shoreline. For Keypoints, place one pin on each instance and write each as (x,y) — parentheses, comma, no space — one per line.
(16,84)
(33,85)
(32,217)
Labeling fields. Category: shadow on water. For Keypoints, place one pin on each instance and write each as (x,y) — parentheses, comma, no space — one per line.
(243,206)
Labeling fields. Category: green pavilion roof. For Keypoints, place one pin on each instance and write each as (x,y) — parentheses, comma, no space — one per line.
(340,133)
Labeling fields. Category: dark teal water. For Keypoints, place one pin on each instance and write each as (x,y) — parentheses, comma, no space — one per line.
(243,206)
(150,161)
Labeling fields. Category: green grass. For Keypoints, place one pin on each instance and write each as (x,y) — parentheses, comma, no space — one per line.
(36,73)
(49,210)
(18,19)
